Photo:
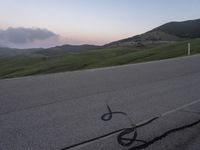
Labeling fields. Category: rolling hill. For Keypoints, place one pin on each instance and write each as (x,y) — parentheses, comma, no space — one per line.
(185,29)
(6,52)
(167,41)
(167,33)
(48,52)
(60,50)
(112,56)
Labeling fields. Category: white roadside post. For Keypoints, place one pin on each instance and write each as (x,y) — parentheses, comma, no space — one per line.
(189,48)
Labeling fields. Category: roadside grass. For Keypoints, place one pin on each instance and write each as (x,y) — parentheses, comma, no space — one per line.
(24,66)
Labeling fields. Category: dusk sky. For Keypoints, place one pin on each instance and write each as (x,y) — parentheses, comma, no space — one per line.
(56,22)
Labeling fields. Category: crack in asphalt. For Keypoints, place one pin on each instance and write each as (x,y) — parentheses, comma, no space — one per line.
(125,131)
(190,111)
(107,135)
(149,143)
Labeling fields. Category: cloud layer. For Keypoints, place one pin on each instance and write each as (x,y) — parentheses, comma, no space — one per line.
(28,37)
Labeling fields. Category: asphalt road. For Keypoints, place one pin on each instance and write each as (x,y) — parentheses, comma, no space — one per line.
(105,109)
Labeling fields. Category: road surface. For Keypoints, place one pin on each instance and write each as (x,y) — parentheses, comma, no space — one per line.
(152,106)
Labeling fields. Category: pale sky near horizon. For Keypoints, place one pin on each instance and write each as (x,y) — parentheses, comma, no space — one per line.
(95,21)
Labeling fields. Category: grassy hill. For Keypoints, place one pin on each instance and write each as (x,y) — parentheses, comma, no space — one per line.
(167,41)
(65,49)
(185,29)
(172,31)
(13,52)
(48,52)
(107,56)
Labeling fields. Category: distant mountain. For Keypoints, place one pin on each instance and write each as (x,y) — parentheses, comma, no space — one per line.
(13,52)
(185,29)
(54,51)
(169,32)
(60,50)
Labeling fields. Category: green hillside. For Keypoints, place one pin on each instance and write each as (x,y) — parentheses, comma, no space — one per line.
(185,29)
(27,65)
(172,31)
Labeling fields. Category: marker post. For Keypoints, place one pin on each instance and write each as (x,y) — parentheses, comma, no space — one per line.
(189,49)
